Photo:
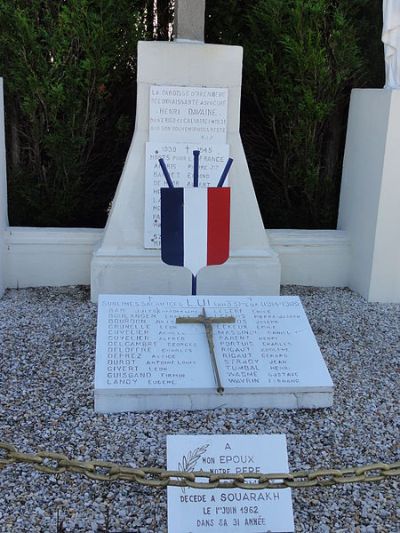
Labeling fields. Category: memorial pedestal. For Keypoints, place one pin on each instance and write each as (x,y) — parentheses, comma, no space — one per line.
(130,401)
(370,193)
(122,264)
(266,357)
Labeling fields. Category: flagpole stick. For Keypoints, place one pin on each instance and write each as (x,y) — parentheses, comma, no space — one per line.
(194,285)
(196,155)
(225,172)
(166,173)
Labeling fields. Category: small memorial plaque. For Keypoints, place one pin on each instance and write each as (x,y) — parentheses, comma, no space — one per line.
(148,358)
(188,114)
(219,510)
(179,160)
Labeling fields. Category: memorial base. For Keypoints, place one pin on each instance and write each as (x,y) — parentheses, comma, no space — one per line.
(147,275)
(112,402)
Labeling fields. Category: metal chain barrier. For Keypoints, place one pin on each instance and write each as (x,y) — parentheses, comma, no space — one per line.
(58,463)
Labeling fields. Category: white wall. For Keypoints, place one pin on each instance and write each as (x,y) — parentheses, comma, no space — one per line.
(319,258)
(36,257)
(3,190)
(55,256)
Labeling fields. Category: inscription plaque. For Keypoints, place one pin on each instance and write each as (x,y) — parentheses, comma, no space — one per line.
(212,510)
(188,114)
(268,357)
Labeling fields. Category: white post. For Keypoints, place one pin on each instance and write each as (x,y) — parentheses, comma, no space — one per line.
(370,195)
(189,20)
(3,191)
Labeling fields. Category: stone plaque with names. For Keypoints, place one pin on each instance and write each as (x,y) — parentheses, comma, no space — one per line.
(219,510)
(266,357)
(188,114)
(179,160)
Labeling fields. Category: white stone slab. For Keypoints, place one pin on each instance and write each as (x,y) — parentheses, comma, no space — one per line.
(188,114)
(219,510)
(268,358)
(179,160)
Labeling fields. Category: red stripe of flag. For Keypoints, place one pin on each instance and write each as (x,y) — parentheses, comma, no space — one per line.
(218,225)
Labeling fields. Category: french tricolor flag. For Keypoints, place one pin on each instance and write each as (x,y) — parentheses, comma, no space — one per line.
(195,226)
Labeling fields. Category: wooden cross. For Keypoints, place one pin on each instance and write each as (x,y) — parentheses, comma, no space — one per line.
(189,20)
(207,322)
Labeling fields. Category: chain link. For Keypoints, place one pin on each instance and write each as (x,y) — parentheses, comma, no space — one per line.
(58,463)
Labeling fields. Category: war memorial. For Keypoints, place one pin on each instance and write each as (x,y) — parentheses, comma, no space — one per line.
(188,353)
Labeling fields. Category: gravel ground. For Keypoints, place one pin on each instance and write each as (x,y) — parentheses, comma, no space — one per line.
(47,347)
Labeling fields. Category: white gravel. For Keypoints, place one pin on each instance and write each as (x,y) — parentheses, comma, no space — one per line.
(47,348)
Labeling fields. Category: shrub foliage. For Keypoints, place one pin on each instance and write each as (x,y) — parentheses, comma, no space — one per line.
(301,59)
(69,69)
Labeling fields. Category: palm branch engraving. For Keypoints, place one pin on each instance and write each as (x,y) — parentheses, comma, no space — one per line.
(189,460)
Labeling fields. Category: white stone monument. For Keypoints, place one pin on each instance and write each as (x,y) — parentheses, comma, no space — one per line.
(124,263)
(228,510)
(200,352)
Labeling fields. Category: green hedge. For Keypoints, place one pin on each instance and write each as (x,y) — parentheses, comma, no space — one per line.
(301,59)
(70,68)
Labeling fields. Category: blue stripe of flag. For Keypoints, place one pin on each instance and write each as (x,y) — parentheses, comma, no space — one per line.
(172,226)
